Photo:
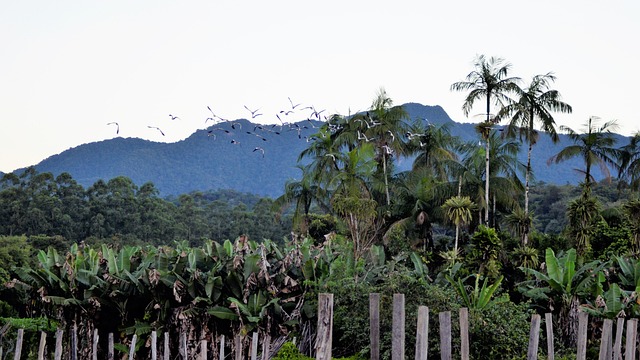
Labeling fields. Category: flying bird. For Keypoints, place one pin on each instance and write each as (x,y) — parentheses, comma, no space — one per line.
(173,117)
(235,142)
(258,148)
(117,126)
(292,105)
(254,113)
(155,127)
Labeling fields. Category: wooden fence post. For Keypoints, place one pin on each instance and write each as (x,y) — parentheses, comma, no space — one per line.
(632,333)
(18,350)
(42,346)
(374,325)
(583,321)
(221,347)
(617,346)
(254,346)
(132,348)
(464,333)
(166,353)
(445,335)
(74,342)
(238,347)
(397,332)
(605,342)
(182,347)
(94,344)
(110,351)
(58,352)
(422,333)
(266,346)
(548,322)
(203,349)
(154,345)
(534,337)
(325,327)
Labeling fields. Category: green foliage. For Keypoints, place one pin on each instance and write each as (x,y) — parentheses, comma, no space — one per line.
(480,297)
(500,331)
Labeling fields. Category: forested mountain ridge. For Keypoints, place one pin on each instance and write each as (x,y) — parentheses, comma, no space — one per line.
(224,156)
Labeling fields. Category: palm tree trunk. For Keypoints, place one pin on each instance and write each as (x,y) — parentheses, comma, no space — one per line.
(486,184)
(386,181)
(455,245)
(525,235)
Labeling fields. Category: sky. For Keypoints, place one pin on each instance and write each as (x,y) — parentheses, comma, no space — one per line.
(69,68)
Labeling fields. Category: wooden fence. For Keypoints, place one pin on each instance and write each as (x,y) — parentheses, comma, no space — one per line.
(610,344)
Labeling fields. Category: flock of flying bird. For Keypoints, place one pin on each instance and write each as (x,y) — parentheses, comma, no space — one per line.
(258,130)
(312,117)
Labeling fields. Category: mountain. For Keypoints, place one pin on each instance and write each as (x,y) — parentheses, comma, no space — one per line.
(205,161)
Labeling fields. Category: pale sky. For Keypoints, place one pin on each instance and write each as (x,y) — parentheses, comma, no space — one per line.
(67,68)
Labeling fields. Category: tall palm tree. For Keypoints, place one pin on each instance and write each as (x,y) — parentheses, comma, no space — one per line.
(534,106)
(383,125)
(595,147)
(435,148)
(490,81)
(458,209)
(629,160)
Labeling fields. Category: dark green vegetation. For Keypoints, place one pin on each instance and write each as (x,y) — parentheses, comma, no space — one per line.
(384,203)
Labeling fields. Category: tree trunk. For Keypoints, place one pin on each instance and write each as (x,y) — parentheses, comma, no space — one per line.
(569,322)
(386,181)
(486,184)
(525,235)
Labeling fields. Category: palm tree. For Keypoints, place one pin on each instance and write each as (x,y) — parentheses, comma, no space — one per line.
(303,194)
(435,148)
(489,81)
(535,104)
(383,125)
(458,210)
(629,160)
(595,147)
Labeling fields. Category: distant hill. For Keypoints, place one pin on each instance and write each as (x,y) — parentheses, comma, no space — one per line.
(202,162)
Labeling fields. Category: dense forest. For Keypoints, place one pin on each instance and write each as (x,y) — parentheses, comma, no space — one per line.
(465,226)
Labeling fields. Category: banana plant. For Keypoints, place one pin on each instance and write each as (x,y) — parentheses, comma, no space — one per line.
(480,297)
(563,287)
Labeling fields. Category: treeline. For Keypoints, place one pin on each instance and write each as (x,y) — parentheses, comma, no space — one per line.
(117,211)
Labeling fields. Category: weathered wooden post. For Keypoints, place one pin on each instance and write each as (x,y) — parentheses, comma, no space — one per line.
(166,353)
(74,342)
(94,344)
(132,348)
(605,341)
(154,345)
(238,346)
(422,333)
(58,352)
(182,348)
(374,325)
(266,346)
(464,333)
(534,337)
(397,334)
(221,347)
(42,346)
(254,346)
(203,349)
(445,335)
(110,351)
(583,321)
(632,333)
(617,346)
(548,322)
(325,327)
(18,350)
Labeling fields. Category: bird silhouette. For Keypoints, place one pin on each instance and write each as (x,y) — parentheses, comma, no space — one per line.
(254,113)
(258,148)
(173,117)
(292,105)
(155,127)
(235,142)
(117,126)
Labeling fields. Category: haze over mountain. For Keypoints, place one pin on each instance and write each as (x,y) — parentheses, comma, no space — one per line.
(225,158)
